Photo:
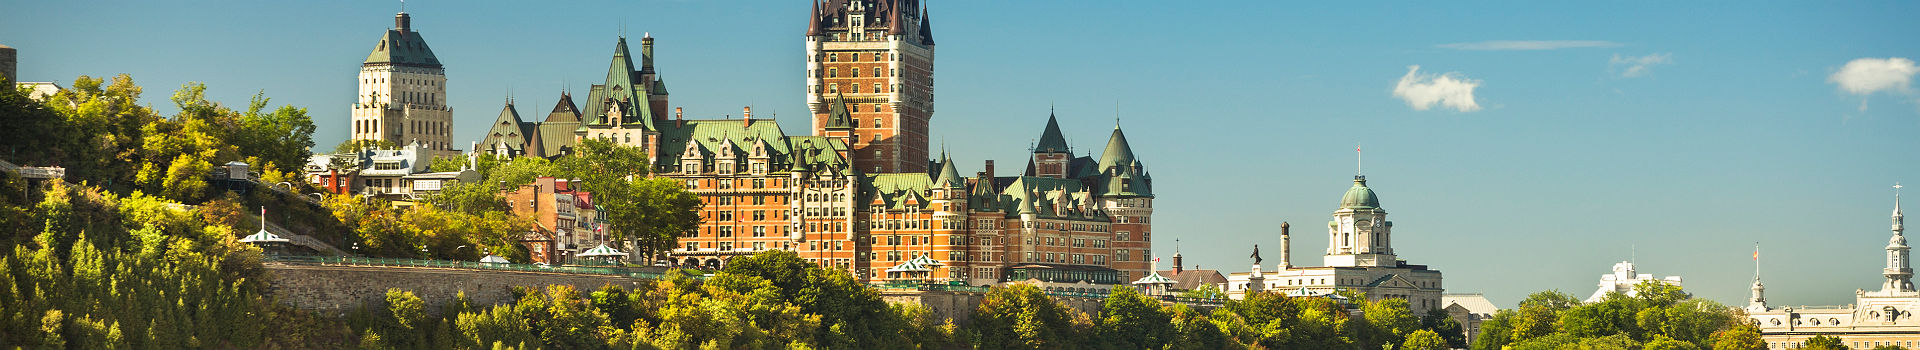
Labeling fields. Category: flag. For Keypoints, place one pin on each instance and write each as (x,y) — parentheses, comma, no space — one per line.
(1156,259)
(1756,255)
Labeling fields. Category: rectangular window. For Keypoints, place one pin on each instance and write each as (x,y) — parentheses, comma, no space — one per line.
(726,231)
(725,246)
(759,231)
(691,246)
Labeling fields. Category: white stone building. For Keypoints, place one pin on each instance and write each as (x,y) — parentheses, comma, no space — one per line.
(403,93)
(1622,280)
(1359,258)
(1877,318)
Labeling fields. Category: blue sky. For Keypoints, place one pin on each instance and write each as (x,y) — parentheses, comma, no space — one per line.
(1735,128)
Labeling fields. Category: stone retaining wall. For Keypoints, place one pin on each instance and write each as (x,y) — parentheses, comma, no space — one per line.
(339,289)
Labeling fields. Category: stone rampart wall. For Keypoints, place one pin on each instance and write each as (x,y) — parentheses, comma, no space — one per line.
(339,289)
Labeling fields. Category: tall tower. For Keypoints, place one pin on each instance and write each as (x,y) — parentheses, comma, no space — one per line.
(1899,271)
(879,55)
(403,93)
(1360,234)
(1125,192)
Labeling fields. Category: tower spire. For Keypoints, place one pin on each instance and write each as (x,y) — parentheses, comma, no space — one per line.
(1899,271)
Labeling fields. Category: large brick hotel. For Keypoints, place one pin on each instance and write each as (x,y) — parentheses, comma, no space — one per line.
(865,193)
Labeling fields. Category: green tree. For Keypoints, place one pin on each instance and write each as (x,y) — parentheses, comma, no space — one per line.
(648,211)
(1391,320)
(1538,313)
(1821,342)
(1495,332)
(1443,324)
(281,139)
(1742,336)
(1424,340)
(1020,316)
(1130,320)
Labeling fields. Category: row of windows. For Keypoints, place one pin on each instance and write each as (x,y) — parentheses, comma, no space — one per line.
(834,88)
(755,231)
(1066,258)
(402,81)
(855,56)
(855,72)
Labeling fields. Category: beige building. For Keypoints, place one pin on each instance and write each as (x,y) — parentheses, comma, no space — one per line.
(1876,318)
(403,93)
(1359,258)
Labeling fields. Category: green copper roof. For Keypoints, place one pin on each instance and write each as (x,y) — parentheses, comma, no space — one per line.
(711,135)
(1044,196)
(1359,196)
(837,116)
(623,88)
(897,190)
(1050,139)
(403,48)
(507,129)
(817,153)
(1118,152)
(949,175)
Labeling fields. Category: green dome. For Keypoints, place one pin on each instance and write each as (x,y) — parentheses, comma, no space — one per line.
(1359,196)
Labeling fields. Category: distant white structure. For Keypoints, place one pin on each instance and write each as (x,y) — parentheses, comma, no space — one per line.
(1623,278)
(1876,318)
(1359,258)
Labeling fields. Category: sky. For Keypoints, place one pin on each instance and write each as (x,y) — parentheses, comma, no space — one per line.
(1519,147)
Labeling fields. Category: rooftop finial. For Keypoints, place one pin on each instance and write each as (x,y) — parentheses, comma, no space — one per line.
(1116,114)
(1358,160)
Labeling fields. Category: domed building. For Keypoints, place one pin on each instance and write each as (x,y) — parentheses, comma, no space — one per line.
(1359,258)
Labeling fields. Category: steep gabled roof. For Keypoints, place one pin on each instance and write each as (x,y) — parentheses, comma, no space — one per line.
(949,175)
(837,116)
(508,130)
(564,110)
(1050,139)
(1118,153)
(402,46)
(624,88)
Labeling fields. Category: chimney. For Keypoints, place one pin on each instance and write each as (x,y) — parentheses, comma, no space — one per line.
(989,171)
(646,53)
(1286,246)
(401,22)
(679,119)
(1176,263)
(746,114)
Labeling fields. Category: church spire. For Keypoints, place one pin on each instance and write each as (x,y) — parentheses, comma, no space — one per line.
(1899,271)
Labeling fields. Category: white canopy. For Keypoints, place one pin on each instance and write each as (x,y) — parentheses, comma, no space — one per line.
(601,251)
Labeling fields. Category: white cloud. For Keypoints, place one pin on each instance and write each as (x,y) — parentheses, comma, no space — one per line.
(1865,76)
(1423,91)
(1527,45)
(1637,66)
